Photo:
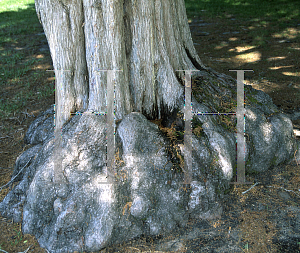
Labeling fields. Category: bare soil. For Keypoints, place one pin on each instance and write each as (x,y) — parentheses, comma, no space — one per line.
(264,219)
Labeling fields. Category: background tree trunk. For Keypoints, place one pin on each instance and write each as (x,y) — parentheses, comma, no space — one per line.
(147,40)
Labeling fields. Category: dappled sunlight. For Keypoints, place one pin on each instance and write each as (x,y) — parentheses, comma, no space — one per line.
(105,189)
(252,45)
(289,33)
(222,45)
(233,39)
(266,129)
(295,48)
(281,67)
(39,56)
(240,49)
(248,57)
(250,115)
(266,85)
(291,74)
(276,58)
(18,6)
(19,48)
(42,66)
(35,112)
(130,160)
(226,165)
(247,82)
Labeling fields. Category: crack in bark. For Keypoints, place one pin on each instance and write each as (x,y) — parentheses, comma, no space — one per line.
(86,75)
(193,60)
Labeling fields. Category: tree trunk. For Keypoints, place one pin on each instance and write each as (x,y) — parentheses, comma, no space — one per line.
(147,40)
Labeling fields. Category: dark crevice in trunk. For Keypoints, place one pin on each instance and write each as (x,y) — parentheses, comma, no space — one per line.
(73,90)
(193,60)
(179,76)
(86,76)
(142,108)
(167,115)
(155,111)
(127,11)
(127,30)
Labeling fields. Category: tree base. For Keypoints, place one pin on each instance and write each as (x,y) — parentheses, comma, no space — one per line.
(82,211)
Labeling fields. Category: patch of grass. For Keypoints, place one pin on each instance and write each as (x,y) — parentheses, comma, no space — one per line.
(17,238)
(266,17)
(276,10)
(17,18)
(22,79)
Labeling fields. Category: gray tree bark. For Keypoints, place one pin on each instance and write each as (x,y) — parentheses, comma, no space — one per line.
(147,40)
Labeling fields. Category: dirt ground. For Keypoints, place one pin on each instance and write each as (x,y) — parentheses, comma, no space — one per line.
(264,219)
